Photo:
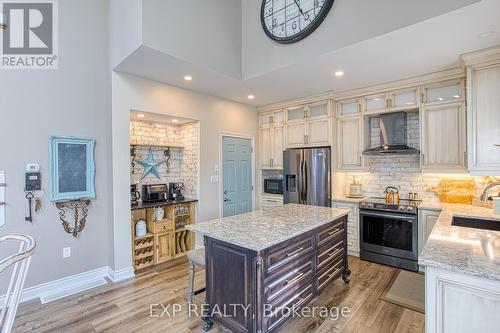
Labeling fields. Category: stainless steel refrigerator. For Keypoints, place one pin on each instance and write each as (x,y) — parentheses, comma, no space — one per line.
(307,176)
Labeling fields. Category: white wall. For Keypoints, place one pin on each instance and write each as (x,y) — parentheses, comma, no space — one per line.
(349,22)
(205,33)
(125,23)
(215,115)
(73,100)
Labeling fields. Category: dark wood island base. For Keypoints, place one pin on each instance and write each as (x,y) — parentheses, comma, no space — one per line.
(251,291)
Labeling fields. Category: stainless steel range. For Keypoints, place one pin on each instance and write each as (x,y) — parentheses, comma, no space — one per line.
(389,233)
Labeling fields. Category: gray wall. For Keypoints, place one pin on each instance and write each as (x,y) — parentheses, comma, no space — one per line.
(73,100)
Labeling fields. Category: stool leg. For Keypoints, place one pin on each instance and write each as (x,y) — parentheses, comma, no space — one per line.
(190,291)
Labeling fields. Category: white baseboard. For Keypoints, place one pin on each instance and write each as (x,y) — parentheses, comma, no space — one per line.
(73,284)
(121,274)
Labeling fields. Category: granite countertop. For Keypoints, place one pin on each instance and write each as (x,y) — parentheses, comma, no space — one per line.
(264,228)
(143,205)
(464,250)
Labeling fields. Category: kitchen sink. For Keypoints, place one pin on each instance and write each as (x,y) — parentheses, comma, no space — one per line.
(470,222)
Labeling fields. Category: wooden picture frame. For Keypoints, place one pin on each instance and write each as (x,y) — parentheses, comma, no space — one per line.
(72,168)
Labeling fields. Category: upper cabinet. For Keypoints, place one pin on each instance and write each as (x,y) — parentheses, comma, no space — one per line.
(271,138)
(349,108)
(443,92)
(443,138)
(483,116)
(403,99)
(350,143)
(308,125)
(376,103)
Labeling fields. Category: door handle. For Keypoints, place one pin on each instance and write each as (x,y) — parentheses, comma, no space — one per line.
(226,199)
(225,191)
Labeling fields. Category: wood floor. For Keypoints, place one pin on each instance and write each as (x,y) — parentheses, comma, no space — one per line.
(125,307)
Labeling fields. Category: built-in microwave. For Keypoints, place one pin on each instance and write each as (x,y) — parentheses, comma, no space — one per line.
(273,186)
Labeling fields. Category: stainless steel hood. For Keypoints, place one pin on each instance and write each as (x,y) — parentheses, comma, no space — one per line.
(393,136)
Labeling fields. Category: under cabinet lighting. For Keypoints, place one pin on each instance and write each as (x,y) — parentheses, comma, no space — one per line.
(251,96)
(175,120)
(140,115)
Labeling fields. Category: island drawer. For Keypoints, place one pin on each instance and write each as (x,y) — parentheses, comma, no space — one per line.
(329,273)
(286,253)
(330,253)
(331,232)
(289,278)
(277,312)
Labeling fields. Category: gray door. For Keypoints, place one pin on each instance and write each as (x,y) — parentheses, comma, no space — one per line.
(317,176)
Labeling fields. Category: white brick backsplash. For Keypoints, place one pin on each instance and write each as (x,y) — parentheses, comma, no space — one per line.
(183,161)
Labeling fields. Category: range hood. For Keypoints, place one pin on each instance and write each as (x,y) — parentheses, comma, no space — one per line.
(393,136)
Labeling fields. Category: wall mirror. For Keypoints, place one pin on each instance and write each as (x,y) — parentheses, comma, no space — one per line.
(72,168)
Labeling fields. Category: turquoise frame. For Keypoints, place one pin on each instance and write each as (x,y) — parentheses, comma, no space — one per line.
(55,195)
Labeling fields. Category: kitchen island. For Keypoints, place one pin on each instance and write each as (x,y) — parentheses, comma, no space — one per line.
(261,264)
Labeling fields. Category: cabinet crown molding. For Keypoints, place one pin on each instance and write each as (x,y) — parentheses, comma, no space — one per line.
(491,54)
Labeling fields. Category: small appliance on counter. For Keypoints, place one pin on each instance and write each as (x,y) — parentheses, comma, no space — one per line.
(355,189)
(273,186)
(134,195)
(175,191)
(154,192)
(392,195)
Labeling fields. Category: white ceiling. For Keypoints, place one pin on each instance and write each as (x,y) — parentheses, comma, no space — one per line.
(431,45)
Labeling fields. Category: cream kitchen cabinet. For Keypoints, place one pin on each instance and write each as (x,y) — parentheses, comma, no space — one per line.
(350,143)
(443,137)
(349,108)
(426,221)
(271,140)
(352,226)
(311,130)
(443,92)
(483,117)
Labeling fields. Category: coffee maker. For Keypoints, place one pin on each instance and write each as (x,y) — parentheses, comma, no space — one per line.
(175,191)
(135,195)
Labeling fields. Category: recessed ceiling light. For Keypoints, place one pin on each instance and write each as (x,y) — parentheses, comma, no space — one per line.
(339,73)
(485,34)
(140,115)
(251,96)
(175,120)
(188,78)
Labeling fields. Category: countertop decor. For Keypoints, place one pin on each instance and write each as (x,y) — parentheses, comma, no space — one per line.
(465,250)
(261,229)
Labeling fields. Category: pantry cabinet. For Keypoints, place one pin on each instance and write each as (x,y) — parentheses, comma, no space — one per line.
(483,118)
(443,131)
(271,140)
(350,143)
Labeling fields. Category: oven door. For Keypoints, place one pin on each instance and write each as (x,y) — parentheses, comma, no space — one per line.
(389,233)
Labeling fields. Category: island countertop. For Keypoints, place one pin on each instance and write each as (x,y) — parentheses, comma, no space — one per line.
(465,250)
(261,229)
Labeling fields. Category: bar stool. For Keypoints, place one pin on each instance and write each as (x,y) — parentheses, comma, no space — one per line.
(21,262)
(195,258)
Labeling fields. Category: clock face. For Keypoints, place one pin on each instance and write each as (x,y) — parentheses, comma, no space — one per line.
(288,21)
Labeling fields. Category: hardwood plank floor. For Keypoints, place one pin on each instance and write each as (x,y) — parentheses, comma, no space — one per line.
(125,307)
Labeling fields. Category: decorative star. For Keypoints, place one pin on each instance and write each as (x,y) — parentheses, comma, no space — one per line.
(150,165)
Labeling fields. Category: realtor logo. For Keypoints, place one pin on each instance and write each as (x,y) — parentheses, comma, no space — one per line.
(29,37)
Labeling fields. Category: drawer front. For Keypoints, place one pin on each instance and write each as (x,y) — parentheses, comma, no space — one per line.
(329,274)
(162,226)
(289,252)
(286,280)
(330,254)
(331,232)
(278,312)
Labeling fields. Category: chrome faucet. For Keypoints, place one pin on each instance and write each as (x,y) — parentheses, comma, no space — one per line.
(487,189)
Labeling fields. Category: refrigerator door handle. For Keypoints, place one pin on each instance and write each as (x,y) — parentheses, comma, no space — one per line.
(301,182)
(306,189)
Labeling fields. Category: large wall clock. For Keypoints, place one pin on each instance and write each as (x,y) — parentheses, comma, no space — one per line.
(288,21)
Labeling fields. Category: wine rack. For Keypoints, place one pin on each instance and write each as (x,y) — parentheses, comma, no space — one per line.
(143,251)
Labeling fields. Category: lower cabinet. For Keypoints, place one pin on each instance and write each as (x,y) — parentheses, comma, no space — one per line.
(270,200)
(163,247)
(456,302)
(426,221)
(352,226)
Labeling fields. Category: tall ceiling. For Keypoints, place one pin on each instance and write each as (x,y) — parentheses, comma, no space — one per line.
(220,43)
